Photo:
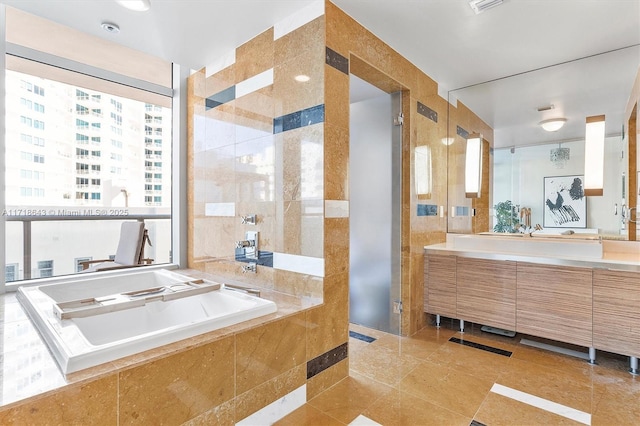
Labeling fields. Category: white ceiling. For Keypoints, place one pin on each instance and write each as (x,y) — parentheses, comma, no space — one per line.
(444,38)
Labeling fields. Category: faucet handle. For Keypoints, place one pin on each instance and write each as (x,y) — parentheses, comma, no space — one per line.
(248,219)
(245,243)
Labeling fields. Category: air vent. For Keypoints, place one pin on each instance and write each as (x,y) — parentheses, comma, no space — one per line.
(546,108)
(480,6)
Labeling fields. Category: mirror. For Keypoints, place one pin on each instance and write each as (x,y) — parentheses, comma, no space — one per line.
(535,176)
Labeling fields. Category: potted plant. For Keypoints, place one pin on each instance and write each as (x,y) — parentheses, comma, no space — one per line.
(506,217)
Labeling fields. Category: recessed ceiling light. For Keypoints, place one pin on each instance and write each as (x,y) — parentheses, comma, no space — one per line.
(302,78)
(553,124)
(110,27)
(137,5)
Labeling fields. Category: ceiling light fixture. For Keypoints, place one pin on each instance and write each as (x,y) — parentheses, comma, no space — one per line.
(480,6)
(137,5)
(553,124)
(302,78)
(110,27)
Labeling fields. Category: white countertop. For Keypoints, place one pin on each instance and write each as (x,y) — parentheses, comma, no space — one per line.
(592,253)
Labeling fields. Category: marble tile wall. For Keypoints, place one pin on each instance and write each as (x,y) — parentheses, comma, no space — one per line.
(425,124)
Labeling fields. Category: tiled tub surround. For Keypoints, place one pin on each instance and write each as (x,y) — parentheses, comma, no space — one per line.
(223,376)
(581,298)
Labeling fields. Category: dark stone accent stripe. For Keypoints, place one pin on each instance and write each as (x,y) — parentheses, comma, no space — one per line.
(220,98)
(427,112)
(481,346)
(295,120)
(462,132)
(326,360)
(337,61)
(427,210)
(362,337)
(476,423)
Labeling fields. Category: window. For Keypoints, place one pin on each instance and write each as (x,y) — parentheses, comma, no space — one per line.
(116,118)
(26,86)
(117,105)
(26,121)
(78,262)
(11,272)
(45,267)
(74,116)
(80,95)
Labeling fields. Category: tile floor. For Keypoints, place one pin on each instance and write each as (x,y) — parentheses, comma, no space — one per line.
(427,379)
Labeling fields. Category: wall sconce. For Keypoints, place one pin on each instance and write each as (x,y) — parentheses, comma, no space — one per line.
(423,175)
(594,156)
(473,166)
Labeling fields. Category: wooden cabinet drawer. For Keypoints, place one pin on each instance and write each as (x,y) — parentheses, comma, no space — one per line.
(441,285)
(555,302)
(616,311)
(486,292)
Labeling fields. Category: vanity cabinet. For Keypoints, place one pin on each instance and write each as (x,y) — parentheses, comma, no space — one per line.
(555,302)
(486,292)
(616,311)
(441,285)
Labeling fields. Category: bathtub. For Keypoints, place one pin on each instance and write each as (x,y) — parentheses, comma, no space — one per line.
(89,321)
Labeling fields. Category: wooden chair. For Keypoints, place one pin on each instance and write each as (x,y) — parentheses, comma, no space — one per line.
(130,252)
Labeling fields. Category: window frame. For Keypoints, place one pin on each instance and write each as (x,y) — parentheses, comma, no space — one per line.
(178,133)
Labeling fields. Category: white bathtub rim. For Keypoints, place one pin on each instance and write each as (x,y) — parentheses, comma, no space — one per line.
(71,360)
